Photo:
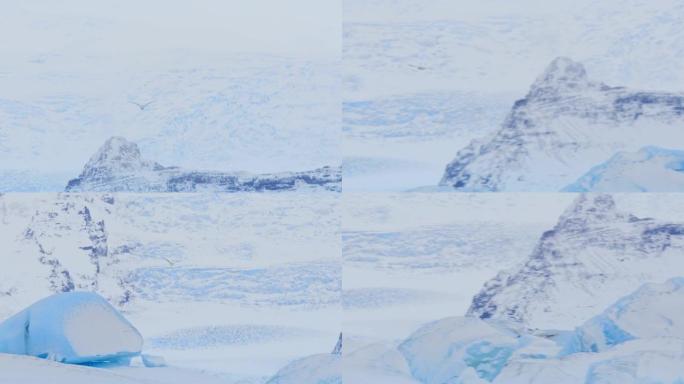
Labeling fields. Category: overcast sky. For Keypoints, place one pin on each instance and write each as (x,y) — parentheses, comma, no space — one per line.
(132,28)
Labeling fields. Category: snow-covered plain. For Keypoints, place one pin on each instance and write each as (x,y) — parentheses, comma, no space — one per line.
(230,286)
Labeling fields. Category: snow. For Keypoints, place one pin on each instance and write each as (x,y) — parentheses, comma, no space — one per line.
(31,370)
(651,169)
(152,361)
(316,369)
(379,363)
(74,327)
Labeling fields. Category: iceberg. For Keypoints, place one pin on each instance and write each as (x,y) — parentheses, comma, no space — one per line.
(448,348)
(652,311)
(73,327)
(651,169)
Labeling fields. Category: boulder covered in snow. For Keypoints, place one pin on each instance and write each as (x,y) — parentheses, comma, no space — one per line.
(73,327)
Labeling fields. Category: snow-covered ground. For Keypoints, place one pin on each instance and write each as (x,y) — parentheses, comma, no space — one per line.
(231,285)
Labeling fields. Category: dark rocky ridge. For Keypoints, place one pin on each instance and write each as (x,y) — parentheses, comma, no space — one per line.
(119,167)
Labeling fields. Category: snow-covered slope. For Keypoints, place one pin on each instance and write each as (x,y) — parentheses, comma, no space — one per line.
(651,169)
(31,370)
(566,124)
(119,167)
(594,255)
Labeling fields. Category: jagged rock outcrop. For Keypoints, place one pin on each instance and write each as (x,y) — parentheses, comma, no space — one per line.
(119,167)
(71,241)
(593,256)
(565,125)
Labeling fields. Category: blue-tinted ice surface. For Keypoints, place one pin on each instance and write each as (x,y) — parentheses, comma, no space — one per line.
(74,327)
(657,159)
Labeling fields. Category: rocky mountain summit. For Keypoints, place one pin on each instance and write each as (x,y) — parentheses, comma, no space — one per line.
(118,166)
(564,126)
(593,256)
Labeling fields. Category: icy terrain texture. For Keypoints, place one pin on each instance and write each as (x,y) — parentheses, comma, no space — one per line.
(256,113)
(74,327)
(565,125)
(424,79)
(652,311)
(210,280)
(119,167)
(651,169)
(472,350)
(594,255)
(444,349)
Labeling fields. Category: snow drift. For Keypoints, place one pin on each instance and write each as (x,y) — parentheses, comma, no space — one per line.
(74,327)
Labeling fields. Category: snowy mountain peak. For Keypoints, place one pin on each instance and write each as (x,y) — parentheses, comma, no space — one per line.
(592,256)
(590,208)
(564,126)
(117,155)
(561,74)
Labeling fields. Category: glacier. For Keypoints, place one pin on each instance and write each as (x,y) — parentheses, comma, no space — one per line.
(651,169)
(119,167)
(74,327)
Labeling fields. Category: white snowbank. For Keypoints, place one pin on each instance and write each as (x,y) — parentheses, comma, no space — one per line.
(74,327)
